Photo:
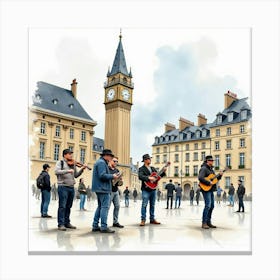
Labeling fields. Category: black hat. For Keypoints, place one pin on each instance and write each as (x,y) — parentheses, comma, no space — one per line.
(107,152)
(146,156)
(45,166)
(240,181)
(66,151)
(209,158)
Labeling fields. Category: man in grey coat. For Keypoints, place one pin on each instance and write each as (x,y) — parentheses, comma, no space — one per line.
(66,180)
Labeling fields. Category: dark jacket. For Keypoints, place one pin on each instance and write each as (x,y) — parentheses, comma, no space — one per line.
(126,193)
(143,175)
(114,186)
(47,183)
(101,178)
(178,191)
(231,190)
(192,193)
(205,171)
(170,189)
(241,191)
(135,193)
(82,188)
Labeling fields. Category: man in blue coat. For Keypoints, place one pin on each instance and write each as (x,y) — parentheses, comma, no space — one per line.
(102,186)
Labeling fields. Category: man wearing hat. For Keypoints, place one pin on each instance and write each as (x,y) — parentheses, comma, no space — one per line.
(102,186)
(205,170)
(148,194)
(66,174)
(45,191)
(240,194)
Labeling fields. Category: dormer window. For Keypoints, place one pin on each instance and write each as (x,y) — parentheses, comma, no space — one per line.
(197,134)
(204,132)
(219,119)
(71,106)
(161,139)
(244,115)
(189,135)
(166,138)
(181,136)
(55,101)
(230,116)
(37,98)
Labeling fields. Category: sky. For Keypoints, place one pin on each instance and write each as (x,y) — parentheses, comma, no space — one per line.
(176,72)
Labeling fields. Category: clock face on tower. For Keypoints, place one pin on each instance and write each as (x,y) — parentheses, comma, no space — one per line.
(125,94)
(111,94)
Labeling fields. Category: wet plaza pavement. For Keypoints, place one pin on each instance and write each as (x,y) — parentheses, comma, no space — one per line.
(179,232)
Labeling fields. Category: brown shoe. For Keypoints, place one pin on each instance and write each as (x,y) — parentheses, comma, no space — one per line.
(205,226)
(155,222)
(142,223)
(211,226)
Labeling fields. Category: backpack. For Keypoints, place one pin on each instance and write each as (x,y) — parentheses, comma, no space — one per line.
(40,181)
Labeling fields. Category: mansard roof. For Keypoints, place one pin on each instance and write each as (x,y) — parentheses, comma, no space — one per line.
(59,100)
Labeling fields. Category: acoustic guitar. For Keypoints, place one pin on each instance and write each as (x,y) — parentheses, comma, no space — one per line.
(213,179)
(157,176)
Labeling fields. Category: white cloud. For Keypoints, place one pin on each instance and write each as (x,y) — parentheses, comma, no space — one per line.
(176,72)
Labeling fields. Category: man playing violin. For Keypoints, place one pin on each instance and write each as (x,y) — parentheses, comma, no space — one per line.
(148,194)
(66,172)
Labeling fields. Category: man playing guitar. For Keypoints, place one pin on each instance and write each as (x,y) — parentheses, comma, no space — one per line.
(148,194)
(205,173)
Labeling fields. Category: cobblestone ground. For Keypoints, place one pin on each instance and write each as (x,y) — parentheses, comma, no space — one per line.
(180,230)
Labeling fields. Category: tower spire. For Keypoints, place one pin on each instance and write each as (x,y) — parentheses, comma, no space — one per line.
(119,64)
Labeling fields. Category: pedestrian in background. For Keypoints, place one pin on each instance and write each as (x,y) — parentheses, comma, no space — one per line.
(83,193)
(191,195)
(170,187)
(135,194)
(219,195)
(197,195)
(240,194)
(158,195)
(126,196)
(45,192)
(178,196)
(231,192)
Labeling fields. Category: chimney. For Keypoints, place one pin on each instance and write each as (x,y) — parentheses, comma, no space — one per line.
(74,88)
(183,123)
(229,98)
(201,120)
(169,126)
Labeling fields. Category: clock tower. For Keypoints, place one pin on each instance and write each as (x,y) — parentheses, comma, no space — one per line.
(118,101)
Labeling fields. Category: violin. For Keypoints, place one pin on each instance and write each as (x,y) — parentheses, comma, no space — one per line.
(72,162)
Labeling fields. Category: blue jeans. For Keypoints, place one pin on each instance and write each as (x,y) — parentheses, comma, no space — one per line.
(103,200)
(126,201)
(209,206)
(148,197)
(82,201)
(178,199)
(231,199)
(65,201)
(46,196)
(115,198)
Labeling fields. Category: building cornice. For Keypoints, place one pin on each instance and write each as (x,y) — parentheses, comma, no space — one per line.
(37,109)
